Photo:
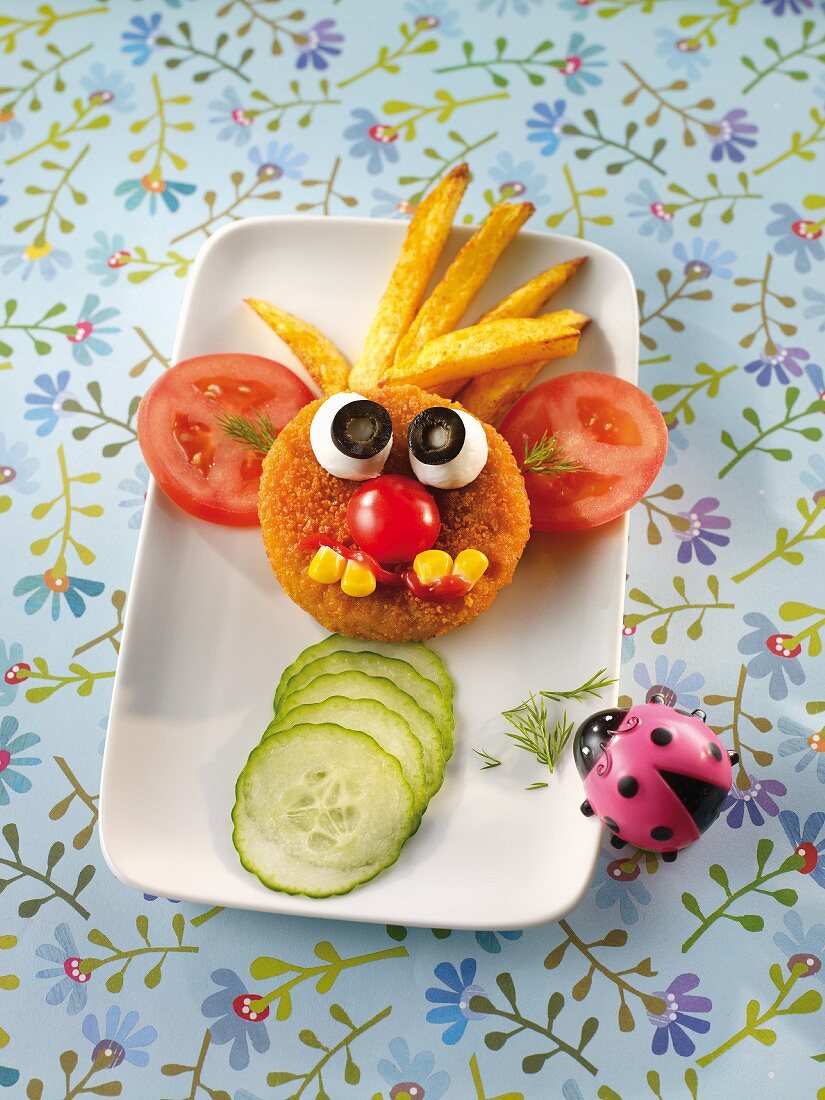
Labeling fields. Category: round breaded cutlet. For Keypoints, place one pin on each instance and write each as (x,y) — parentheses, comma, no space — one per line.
(298,498)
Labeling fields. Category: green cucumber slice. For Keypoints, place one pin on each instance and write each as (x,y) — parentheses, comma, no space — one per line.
(320,810)
(403,675)
(389,731)
(360,685)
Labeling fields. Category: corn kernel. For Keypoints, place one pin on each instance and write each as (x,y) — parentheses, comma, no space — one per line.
(431,565)
(357,580)
(327,566)
(471,565)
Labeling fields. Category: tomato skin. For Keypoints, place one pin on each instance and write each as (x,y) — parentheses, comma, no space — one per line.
(609,427)
(393,518)
(194,462)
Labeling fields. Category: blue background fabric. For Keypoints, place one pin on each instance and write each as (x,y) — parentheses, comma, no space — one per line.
(688,137)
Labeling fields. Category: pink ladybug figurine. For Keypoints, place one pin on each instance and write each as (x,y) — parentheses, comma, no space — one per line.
(656,776)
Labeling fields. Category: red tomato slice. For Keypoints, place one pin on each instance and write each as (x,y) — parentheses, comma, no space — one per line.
(196,464)
(609,427)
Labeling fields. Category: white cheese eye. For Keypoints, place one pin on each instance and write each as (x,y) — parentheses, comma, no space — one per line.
(351,437)
(448,447)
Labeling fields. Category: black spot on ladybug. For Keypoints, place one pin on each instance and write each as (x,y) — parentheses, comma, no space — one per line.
(628,786)
(587,809)
(661,832)
(611,824)
(715,751)
(661,737)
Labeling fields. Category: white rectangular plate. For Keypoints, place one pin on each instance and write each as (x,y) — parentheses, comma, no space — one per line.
(209,631)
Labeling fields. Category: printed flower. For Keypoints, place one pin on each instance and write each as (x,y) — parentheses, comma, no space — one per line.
(681,54)
(656,219)
(108,257)
(235,1020)
(781,7)
(11,665)
(803,947)
(671,682)
(16,470)
(141,41)
(10,761)
(816,377)
(806,743)
(796,236)
(548,128)
(155,897)
(771,658)
(704,259)
(817,308)
(41,258)
(670,1026)
(390,205)
(806,840)
(619,886)
(320,42)
(72,981)
(783,362)
(519,180)
(119,1042)
(372,139)
(412,1077)
(135,489)
(628,643)
(48,405)
(10,126)
(676,441)
(111,88)
(153,185)
(575,9)
(235,124)
(70,588)
(703,529)
(578,64)
(277,161)
(753,798)
(815,481)
(435,15)
(488,941)
(730,137)
(454,1000)
(518,7)
(88,329)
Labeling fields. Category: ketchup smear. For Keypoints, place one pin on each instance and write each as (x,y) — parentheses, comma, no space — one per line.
(443,590)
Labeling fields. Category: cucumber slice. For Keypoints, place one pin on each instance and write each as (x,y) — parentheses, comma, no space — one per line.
(360,685)
(389,731)
(320,810)
(423,660)
(424,691)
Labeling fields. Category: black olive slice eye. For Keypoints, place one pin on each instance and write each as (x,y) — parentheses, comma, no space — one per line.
(361,429)
(436,436)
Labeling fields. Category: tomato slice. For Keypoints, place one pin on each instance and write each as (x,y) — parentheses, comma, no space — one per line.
(608,427)
(196,464)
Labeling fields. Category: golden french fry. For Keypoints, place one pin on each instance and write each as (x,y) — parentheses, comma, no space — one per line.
(317,355)
(469,352)
(426,237)
(492,396)
(465,276)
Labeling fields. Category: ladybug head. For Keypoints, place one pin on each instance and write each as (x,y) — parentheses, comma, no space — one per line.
(593,735)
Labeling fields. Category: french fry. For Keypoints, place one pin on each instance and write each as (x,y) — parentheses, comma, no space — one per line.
(479,349)
(321,359)
(492,396)
(465,276)
(426,236)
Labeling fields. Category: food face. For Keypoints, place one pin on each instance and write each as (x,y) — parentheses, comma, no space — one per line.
(443,513)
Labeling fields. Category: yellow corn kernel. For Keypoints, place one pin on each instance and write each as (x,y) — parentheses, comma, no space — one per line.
(357,580)
(471,565)
(327,566)
(431,565)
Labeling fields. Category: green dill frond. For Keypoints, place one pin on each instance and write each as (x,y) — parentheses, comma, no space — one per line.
(258,434)
(591,688)
(489,761)
(546,457)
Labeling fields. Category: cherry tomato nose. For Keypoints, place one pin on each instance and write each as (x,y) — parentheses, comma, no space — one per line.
(393,518)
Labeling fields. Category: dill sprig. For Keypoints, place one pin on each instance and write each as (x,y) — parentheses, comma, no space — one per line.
(258,434)
(489,761)
(591,688)
(545,457)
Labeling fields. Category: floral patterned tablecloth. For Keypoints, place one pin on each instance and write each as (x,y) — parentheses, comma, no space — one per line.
(688,137)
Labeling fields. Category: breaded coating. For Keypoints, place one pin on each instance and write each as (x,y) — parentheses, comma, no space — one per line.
(298,497)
